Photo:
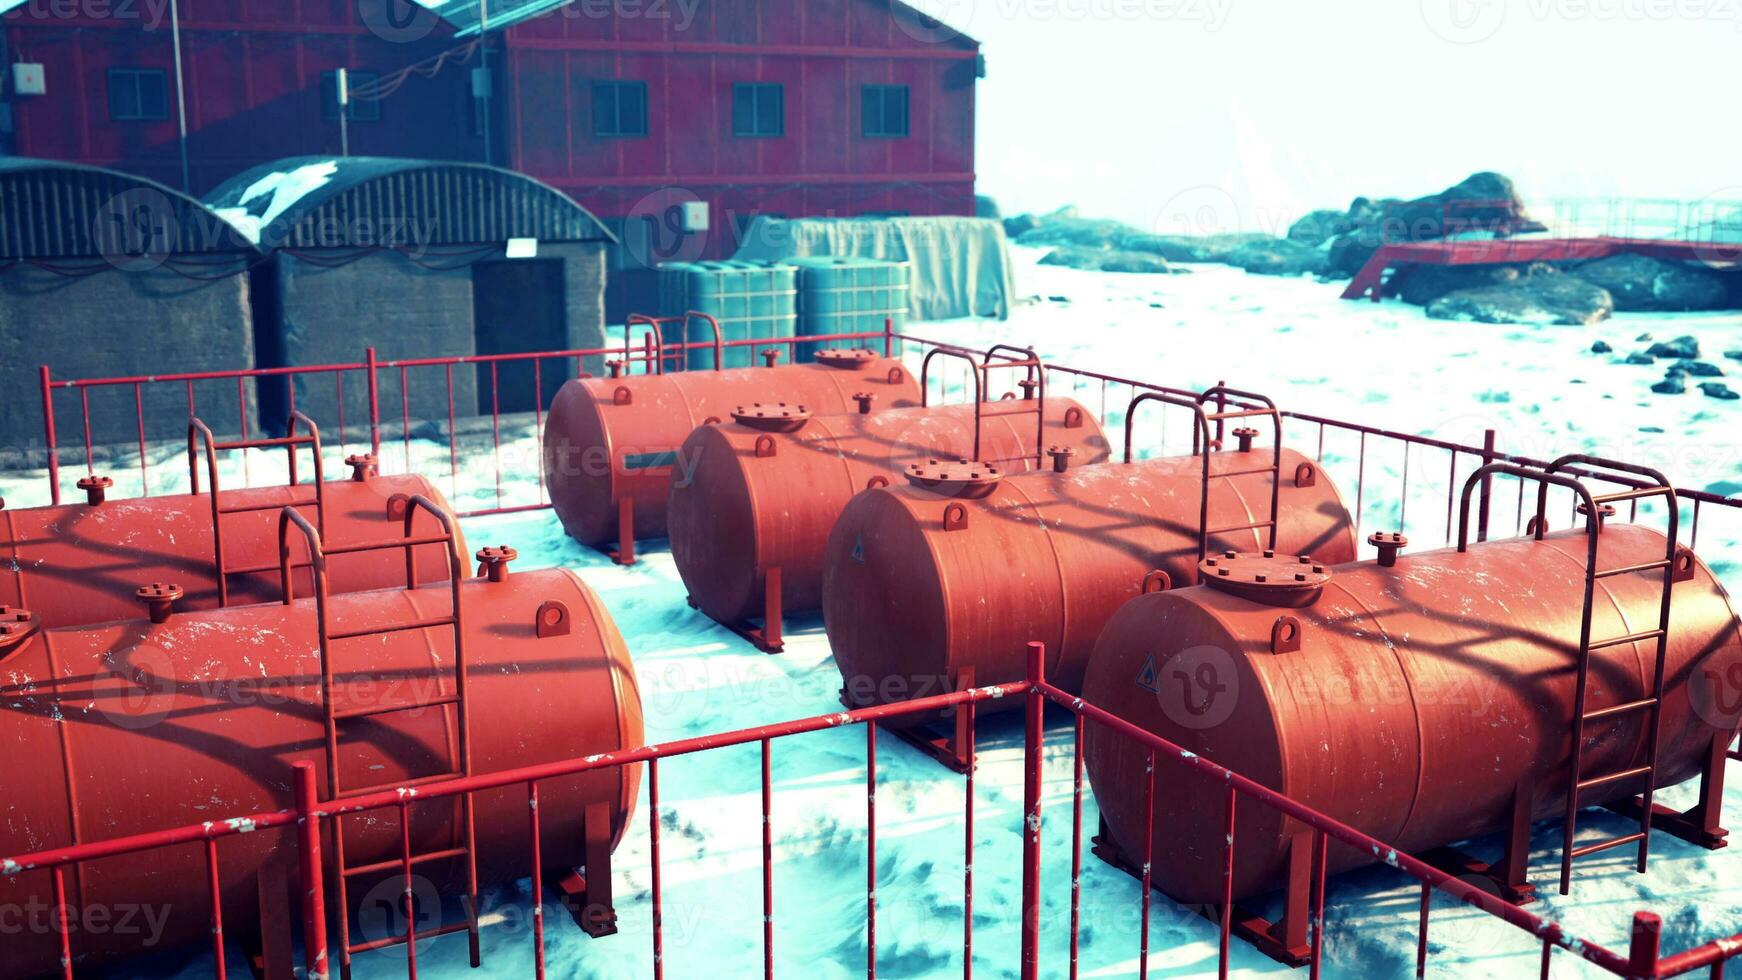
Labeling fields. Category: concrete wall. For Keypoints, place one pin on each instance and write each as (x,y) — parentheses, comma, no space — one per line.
(115,323)
(330,315)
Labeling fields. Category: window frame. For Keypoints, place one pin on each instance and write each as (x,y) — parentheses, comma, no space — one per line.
(132,77)
(881,93)
(755,130)
(617,86)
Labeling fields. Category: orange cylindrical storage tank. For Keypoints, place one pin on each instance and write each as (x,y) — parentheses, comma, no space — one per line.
(1422,699)
(74,564)
(912,606)
(768,486)
(133,727)
(612,443)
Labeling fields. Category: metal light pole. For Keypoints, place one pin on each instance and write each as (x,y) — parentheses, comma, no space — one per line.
(181,105)
(343,92)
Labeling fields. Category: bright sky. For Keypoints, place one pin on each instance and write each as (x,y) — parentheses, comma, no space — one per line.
(1177,114)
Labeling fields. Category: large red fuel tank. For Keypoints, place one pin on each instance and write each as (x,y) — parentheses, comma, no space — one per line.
(915,603)
(131,727)
(75,564)
(1420,699)
(768,486)
(611,444)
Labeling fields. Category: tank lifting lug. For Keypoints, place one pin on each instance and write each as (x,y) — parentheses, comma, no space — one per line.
(864,398)
(552,619)
(363,466)
(1389,544)
(159,599)
(770,356)
(1061,457)
(94,487)
(1243,437)
(1306,475)
(493,562)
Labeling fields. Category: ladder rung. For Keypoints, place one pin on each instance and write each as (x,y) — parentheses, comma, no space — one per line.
(1650,566)
(400,939)
(422,624)
(1251,472)
(388,709)
(1239,527)
(1614,777)
(392,864)
(263,443)
(1635,494)
(256,508)
(1239,413)
(1617,641)
(1620,709)
(1634,838)
(351,549)
(434,777)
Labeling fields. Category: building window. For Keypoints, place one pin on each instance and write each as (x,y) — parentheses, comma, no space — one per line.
(361,110)
(883,109)
(758,110)
(138,94)
(619,109)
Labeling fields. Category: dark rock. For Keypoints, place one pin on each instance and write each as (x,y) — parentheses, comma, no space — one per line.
(1639,358)
(1541,299)
(1734,355)
(1719,390)
(1118,261)
(1083,232)
(1319,227)
(1105,260)
(1016,227)
(1059,299)
(1670,386)
(985,207)
(1699,369)
(1643,338)
(1188,248)
(1422,284)
(1682,348)
(1601,347)
(1642,283)
(1482,202)
(1278,257)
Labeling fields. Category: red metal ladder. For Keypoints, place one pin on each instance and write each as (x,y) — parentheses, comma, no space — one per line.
(458,746)
(1033,385)
(1248,405)
(1652,705)
(291,441)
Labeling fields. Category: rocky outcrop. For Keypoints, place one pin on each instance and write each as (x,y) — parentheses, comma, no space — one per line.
(1422,284)
(1319,227)
(1278,257)
(1105,260)
(1481,203)
(1538,299)
(1642,283)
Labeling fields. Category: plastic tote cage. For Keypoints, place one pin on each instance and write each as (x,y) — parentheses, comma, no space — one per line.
(847,294)
(749,299)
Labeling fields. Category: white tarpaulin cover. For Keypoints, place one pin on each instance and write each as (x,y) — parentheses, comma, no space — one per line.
(960,266)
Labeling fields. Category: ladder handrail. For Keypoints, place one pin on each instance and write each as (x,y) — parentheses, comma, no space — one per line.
(1221,393)
(199,433)
(657,331)
(978,371)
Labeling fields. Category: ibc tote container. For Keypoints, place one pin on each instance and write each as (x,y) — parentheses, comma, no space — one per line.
(846,294)
(749,299)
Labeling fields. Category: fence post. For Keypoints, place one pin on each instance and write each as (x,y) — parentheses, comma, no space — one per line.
(1032,746)
(48,434)
(374,404)
(1487,497)
(314,910)
(1647,941)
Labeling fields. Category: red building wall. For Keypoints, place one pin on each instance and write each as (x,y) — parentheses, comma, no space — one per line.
(253,80)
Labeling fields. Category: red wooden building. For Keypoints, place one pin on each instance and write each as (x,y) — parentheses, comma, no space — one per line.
(633,107)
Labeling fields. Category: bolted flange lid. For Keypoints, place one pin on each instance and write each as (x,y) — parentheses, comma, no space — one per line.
(846,357)
(954,478)
(1267,577)
(772,416)
(16,625)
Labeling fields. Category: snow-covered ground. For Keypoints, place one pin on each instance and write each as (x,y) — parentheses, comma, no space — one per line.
(1384,364)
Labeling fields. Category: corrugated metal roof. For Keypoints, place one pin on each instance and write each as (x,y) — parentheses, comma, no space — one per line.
(55,210)
(353,202)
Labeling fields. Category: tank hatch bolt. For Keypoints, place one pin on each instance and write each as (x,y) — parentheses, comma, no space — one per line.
(1243,437)
(160,599)
(1061,457)
(493,562)
(1028,387)
(1389,544)
(864,398)
(770,356)
(363,466)
(94,487)
(1604,512)
(615,366)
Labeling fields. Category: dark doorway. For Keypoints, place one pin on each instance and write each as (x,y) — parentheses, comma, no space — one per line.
(519,306)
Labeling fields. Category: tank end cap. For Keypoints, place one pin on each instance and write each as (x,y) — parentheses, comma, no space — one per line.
(955,478)
(1268,578)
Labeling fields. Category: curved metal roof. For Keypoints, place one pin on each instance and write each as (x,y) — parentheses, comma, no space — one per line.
(50,209)
(362,202)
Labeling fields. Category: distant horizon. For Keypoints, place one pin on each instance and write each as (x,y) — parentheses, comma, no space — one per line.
(1222,115)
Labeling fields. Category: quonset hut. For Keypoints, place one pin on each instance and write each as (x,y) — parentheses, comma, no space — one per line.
(417,258)
(106,274)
